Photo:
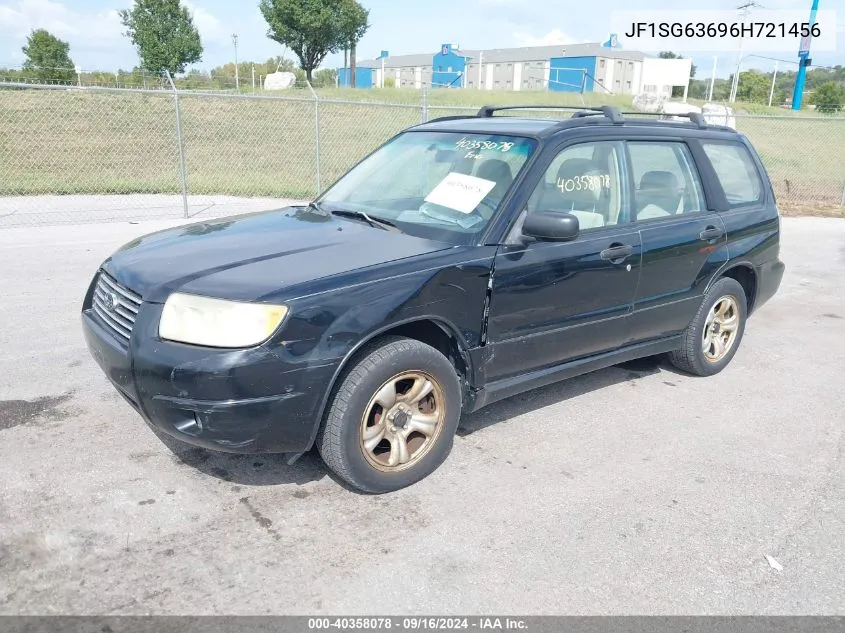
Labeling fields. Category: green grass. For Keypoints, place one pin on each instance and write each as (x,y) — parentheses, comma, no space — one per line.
(65,141)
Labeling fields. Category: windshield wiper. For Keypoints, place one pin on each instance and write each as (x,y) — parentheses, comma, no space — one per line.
(380,223)
(313,206)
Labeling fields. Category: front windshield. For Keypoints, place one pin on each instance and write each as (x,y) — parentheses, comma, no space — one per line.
(438,185)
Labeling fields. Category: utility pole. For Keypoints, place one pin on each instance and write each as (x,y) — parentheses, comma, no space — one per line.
(712,79)
(774,78)
(745,8)
(803,61)
(237,79)
(253,77)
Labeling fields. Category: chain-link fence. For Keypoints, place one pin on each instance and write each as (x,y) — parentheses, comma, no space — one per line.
(96,154)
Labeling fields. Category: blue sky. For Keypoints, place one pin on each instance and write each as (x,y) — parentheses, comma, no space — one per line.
(399,26)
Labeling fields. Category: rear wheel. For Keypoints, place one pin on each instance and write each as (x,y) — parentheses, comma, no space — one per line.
(712,338)
(392,420)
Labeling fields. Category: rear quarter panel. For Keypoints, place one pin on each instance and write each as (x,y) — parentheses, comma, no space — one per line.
(753,230)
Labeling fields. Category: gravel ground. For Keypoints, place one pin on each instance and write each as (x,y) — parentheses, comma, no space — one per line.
(632,490)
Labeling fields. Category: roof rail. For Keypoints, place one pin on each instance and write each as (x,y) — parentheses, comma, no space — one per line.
(453,117)
(615,115)
(610,112)
(695,117)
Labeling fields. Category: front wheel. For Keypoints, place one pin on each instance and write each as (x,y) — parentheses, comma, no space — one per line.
(712,338)
(392,420)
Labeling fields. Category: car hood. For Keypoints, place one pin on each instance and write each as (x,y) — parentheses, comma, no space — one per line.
(256,256)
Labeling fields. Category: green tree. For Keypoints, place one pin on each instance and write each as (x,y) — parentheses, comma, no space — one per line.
(753,87)
(310,28)
(47,57)
(354,23)
(829,97)
(325,78)
(163,31)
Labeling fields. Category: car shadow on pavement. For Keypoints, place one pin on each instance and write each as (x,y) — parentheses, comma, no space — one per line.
(560,391)
(247,470)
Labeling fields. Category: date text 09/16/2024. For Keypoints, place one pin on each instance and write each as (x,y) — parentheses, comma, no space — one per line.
(420,623)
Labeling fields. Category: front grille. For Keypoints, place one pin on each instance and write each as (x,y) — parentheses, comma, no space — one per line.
(115,305)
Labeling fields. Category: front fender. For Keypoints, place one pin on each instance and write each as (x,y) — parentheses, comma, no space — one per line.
(332,327)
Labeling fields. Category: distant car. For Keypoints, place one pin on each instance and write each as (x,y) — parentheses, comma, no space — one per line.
(466,260)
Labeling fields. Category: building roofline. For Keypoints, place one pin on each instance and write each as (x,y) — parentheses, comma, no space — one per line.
(514,54)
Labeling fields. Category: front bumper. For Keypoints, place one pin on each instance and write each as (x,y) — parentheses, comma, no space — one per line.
(257,400)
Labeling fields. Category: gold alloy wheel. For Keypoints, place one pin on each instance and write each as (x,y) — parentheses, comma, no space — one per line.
(720,329)
(402,421)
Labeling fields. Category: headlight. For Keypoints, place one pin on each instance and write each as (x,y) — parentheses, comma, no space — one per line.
(217,322)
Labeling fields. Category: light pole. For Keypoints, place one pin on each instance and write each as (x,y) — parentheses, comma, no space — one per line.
(804,60)
(774,76)
(237,79)
(745,8)
(712,79)
(774,79)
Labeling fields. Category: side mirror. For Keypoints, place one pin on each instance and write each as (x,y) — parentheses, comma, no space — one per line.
(551,226)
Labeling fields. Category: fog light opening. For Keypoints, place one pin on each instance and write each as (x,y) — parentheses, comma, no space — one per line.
(190,425)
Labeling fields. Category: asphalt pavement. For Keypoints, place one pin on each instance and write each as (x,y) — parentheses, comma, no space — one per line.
(632,490)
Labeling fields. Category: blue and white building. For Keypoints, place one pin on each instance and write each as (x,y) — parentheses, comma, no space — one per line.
(566,68)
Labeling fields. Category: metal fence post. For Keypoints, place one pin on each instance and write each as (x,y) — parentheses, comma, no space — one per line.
(180,142)
(316,134)
(424,104)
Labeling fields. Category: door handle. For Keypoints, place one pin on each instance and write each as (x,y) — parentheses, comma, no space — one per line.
(617,253)
(711,233)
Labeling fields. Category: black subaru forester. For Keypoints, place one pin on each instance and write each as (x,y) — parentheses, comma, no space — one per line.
(466,260)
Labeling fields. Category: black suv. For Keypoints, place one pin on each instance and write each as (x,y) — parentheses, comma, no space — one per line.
(466,260)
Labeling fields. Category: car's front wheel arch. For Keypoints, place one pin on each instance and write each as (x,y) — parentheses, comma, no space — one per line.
(432,331)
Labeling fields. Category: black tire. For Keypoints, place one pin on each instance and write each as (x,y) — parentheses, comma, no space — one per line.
(691,357)
(339,438)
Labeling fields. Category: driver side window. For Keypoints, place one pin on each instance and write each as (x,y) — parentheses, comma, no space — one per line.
(585,181)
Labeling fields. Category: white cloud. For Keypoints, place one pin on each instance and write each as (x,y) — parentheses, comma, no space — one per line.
(85,32)
(19,19)
(209,26)
(96,38)
(552,38)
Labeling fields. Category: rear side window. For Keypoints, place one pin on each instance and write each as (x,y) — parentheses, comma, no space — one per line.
(665,181)
(736,172)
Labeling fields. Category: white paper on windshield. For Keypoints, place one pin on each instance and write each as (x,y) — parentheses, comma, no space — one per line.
(460,192)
